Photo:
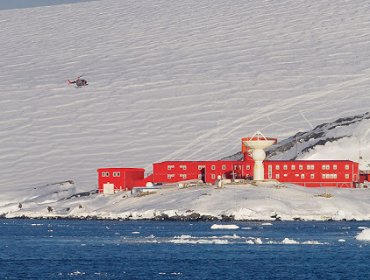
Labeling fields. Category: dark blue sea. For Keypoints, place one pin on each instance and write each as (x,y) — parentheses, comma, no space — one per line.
(88,249)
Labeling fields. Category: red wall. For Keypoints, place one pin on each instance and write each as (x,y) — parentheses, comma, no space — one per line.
(338,173)
(328,173)
(208,171)
(122,178)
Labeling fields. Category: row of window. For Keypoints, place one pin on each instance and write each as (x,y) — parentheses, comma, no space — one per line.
(213,167)
(115,174)
(184,176)
(277,176)
(277,167)
(312,176)
(310,167)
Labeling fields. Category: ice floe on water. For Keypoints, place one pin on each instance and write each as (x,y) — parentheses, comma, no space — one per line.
(76,273)
(199,241)
(219,226)
(228,239)
(285,241)
(289,241)
(364,235)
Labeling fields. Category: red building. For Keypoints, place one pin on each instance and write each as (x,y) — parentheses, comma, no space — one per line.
(314,173)
(119,179)
(206,171)
(308,173)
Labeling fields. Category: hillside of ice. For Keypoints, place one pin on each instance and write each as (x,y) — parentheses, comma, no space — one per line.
(173,80)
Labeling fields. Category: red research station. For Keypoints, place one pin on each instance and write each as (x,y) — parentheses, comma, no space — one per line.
(307,173)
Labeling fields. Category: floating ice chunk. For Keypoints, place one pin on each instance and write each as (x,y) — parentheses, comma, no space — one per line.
(135,232)
(246,228)
(183,236)
(253,240)
(36,225)
(234,236)
(313,242)
(200,241)
(364,235)
(362,227)
(258,241)
(341,240)
(217,226)
(289,241)
(266,224)
(219,241)
(77,273)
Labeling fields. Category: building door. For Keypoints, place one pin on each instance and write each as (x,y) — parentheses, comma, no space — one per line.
(203,175)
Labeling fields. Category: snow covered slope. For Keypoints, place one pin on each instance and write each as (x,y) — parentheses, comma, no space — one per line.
(264,201)
(170,80)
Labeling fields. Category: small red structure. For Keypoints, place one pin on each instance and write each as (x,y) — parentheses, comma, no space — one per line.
(118,179)
(307,173)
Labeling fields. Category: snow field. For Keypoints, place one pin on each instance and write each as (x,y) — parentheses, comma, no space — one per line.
(170,81)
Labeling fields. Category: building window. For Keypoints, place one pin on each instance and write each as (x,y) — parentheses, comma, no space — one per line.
(285,167)
(335,176)
(116,174)
(277,167)
(346,167)
(300,167)
(213,167)
(105,174)
(247,167)
(312,176)
(213,176)
(224,167)
(302,176)
(324,176)
(310,167)
(277,176)
(293,167)
(269,171)
(335,167)
(325,167)
(346,176)
(183,176)
(183,167)
(170,167)
(170,176)
(200,167)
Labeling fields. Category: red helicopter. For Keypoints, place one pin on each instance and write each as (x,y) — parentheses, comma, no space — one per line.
(78,82)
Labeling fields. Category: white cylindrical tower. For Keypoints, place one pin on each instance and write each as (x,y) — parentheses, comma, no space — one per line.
(258,142)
